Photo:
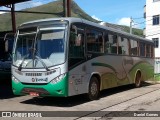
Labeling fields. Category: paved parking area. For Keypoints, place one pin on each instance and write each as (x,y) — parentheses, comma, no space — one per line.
(126,98)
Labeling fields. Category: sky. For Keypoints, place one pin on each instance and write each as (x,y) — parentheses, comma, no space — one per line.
(112,11)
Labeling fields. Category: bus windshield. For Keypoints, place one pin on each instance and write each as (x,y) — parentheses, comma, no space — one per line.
(41,47)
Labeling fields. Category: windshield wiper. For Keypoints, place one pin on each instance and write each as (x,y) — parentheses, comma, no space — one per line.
(38,58)
(24,58)
(20,66)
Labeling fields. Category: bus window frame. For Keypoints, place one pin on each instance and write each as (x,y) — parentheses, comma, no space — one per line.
(99,31)
(124,38)
(136,55)
(107,33)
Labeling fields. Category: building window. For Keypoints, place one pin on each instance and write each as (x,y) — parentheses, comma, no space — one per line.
(156,42)
(156,0)
(156,20)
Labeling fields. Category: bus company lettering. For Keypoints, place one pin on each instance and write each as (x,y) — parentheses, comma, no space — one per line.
(128,61)
(39,80)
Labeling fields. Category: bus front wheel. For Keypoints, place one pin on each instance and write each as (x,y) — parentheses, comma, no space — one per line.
(94,89)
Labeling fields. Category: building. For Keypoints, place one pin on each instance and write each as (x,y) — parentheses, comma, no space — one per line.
(152,30)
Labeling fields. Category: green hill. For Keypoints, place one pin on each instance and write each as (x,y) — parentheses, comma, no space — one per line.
(54,7)
(135,31)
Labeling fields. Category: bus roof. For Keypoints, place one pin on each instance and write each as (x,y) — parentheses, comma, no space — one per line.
(72,19)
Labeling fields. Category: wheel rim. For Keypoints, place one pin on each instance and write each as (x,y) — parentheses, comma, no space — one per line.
(94,88)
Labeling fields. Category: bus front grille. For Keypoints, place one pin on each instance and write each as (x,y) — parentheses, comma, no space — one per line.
(33,74)
(34,83)
(37,90)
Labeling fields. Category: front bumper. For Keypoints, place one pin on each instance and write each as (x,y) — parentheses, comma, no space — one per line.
(59,89)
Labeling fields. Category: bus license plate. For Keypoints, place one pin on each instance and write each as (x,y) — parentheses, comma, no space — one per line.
(34,94)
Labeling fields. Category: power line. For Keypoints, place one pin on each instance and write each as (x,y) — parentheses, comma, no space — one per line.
(138,23)
(138,18)
(152,30)
(142,17)
(142,22)
(153,34)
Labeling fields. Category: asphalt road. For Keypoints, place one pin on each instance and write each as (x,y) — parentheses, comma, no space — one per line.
(126,100)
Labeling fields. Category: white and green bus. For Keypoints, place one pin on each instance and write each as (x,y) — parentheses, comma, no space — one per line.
(63,57)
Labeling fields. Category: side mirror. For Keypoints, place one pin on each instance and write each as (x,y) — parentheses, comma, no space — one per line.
(74,28)
(73,34)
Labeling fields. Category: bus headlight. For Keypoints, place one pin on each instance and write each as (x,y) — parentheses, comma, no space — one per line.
(57,79)
(15,79)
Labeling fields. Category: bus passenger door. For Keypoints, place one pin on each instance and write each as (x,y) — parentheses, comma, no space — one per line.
(77,59)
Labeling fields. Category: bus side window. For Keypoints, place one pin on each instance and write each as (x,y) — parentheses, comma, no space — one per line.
(123,46)
(106,44)
(148,50)
(111,44)
(120,45)
(134,47)
(76,45)
(94,41)
(142,49)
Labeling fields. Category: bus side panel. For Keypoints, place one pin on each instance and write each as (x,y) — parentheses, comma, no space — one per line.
(117,70)
(78,80)
(113,70)
(145,66)
(105,66)
(109,70)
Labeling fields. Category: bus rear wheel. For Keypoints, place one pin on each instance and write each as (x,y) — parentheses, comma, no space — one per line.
(138,79)
(94,89)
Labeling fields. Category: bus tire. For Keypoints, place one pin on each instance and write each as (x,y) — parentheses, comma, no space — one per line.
(138,80)
(94,89)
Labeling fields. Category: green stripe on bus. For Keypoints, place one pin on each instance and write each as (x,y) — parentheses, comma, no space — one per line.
(104,65)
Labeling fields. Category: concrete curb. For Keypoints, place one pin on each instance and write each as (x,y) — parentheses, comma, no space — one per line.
(153,82)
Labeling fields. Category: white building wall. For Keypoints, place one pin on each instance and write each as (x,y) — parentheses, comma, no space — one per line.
(152,31)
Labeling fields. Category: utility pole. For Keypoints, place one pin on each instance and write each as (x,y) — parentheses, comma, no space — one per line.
(13,18)
(131,25)
(68,8)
